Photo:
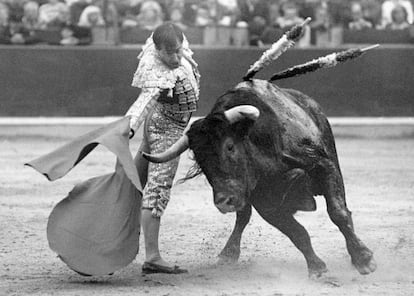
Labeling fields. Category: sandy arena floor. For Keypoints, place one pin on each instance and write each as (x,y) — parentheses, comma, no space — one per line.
(379,181)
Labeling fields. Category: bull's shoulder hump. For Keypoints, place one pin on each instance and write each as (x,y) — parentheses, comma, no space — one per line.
(267,92)
(284,102)
(261,87)
(296,121)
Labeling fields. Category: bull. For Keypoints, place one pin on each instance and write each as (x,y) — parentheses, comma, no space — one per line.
(273,149)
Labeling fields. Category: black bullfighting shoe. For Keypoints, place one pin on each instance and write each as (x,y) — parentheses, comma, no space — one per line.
(148,268)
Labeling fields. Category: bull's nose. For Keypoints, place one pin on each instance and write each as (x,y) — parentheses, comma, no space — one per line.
(224,199)
(225,203)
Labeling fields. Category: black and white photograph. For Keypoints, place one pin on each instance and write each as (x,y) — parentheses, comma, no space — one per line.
(207,147)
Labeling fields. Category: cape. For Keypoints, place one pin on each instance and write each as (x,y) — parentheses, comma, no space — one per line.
(95,228)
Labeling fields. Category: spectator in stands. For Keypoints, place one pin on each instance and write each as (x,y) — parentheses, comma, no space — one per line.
(189,13)
(53,14)
(290,17)
(273,30)
(4,22)
(91,17)
(322,20)
(226,12)
(108,11)
(183,6)
(75,10)
(30,19)
(274,13)
(307,7)
(203,17)
(176,16)
(358,21)
(399,18)
(389,5)
(221,12)
(68,37)
(249,9)
(175,3)
(4,15)
(228,4)
(128,13)
(75,35)
(80,33)
(372,12)
(150,16)
(340,12)
(255,15)
(72,2)
(15,8)
(135,3)
(257,27)
(321,26)
(15,33)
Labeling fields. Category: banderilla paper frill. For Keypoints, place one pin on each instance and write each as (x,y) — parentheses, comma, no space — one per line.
(328,61)
(284,43)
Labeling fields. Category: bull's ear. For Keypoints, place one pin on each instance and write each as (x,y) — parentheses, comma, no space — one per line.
(241,112)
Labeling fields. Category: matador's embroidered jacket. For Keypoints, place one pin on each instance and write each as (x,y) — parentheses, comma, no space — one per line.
(177,89)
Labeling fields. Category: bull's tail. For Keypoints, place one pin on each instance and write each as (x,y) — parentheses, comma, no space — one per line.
(328,61)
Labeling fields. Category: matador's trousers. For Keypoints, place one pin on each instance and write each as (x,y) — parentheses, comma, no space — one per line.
(164,128)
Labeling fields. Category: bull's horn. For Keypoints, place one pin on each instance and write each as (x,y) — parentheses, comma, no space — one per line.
(243,111)
(175,150)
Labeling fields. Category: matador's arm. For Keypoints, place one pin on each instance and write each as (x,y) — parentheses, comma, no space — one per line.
(139,109)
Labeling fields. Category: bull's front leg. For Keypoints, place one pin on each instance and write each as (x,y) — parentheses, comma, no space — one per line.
(231,251)
(362,257)
(288,225)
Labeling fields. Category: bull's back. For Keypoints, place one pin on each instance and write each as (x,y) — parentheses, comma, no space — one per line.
(294,115)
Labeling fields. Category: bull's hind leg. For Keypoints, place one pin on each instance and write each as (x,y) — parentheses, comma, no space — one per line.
(231,251)
(289,226)
(334,192)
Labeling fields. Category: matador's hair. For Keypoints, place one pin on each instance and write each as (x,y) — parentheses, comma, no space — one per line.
(167,34)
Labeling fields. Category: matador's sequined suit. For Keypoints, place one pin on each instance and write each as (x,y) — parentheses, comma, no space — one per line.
(167,99)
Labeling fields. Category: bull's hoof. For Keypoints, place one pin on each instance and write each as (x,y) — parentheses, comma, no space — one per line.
(225,260)
(230,254)
(365,263)
(228,257)
(317,269)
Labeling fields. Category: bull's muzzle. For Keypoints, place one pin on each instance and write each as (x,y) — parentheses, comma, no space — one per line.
(226,203)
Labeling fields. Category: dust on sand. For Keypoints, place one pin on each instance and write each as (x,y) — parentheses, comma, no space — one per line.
(379,181)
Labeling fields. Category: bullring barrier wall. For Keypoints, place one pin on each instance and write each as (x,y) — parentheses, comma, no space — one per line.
(95,81)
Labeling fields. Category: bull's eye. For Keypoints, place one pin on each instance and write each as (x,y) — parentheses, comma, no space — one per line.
(230,147)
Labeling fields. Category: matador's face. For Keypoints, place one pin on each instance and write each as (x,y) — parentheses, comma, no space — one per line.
(171,56)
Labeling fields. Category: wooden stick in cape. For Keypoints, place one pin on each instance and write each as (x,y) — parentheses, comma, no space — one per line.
(328,61)
(286,41)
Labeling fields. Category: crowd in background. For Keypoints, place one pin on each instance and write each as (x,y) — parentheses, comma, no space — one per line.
(22,21)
